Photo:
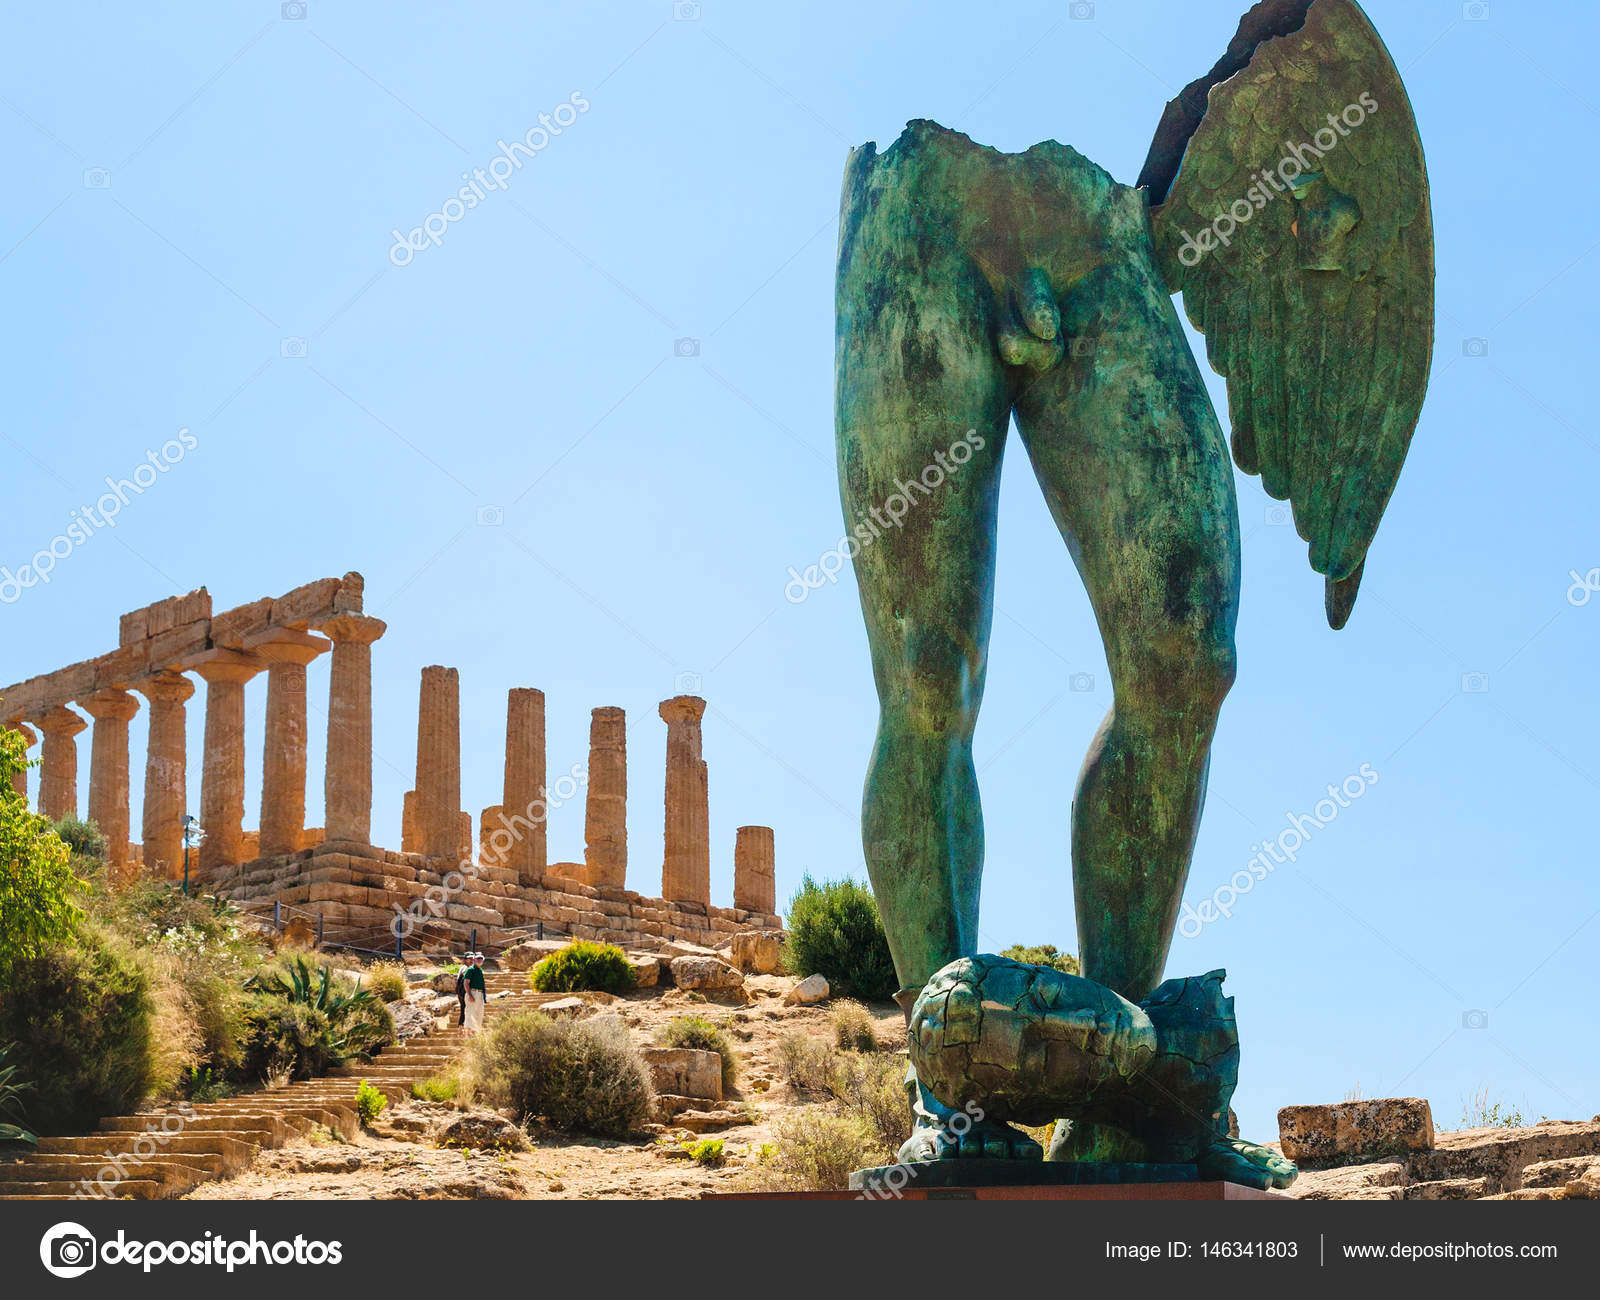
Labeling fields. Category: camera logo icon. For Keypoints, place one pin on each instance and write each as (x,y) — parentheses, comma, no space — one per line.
(1474,347)
(1083,347)
(686,11)
(1475,1019)
(687,683)
(1081,10)
(1278,515)
(685,347)
(491,516)
(1475,11)
(1474,683)
(96,178)
(292,11)
(68,1250)
(294,348)
(1081,682)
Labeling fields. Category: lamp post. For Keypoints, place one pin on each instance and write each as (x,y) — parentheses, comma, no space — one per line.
(192,835)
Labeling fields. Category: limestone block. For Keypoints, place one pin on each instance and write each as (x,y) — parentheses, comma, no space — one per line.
(646,970)
(705,973)
(232,626)
(565,1008)
(115,670)
(315,600)
(685,1072)
(808,992)
(134,627)
(758,952)
(1379,1126)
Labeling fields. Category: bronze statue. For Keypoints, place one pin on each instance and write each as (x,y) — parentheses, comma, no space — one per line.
(1285,196)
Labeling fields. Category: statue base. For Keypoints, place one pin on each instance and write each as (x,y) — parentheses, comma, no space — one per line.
(890,1180)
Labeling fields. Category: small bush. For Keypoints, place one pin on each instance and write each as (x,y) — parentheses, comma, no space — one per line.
(816,1151)
(581,967)
(699,1033)
(370,1102)
(873,1088)
(835,931)
(581,1076)
(202,1085)
(80,1018)
(707,1152)
(87,844)
(388,981)
(806,1063)
(1043,954)
(854,1029)
(12,1086)
(1477,1111)
(441,1088)
(302,1022)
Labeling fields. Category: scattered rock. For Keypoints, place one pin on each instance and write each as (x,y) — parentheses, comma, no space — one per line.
(758,951)
(705,973)
(530,953)
(677,948)
(565,1008)
(699,1121)
(808,992)
(410,1020)
(479,1129)
(646,970)
(1351,1129)
(685,1072)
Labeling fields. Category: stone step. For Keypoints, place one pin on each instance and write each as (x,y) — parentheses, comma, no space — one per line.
(1449,1189)
(266,1121)
(237,1146)
(175,1175)
(133,1189)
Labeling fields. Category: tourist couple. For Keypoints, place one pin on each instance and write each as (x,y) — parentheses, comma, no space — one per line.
(471,992)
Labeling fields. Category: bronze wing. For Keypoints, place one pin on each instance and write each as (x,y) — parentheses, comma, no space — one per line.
(1289,205)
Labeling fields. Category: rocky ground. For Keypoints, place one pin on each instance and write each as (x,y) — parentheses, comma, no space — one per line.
(402,1156)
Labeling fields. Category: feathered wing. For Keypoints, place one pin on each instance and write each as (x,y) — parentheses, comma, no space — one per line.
(1308,268)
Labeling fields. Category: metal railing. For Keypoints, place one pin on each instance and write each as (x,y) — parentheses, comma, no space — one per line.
(391,940)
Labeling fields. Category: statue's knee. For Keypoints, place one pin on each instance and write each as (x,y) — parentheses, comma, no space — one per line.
(1191,676)
(933,694)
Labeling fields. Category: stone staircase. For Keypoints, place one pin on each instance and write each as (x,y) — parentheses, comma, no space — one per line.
(164,1153)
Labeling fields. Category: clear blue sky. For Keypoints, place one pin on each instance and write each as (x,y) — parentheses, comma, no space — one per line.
(254,169)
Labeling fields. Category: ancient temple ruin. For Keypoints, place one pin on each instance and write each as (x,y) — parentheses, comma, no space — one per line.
(440,886)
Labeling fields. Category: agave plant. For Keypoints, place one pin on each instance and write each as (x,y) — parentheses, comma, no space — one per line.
(11,1090)
(314,989)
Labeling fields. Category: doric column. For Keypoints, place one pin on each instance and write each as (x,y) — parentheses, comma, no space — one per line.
(523,814)
(283,774)
(58,773)
(605,825)
(686,869)
(165,769)
(19,780)
(222,775)
(754,870)
(347,779)
(438,789)
(108,773)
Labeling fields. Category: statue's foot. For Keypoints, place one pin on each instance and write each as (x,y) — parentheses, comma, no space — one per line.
(980,1139)
(939,1132)
(1234,1160)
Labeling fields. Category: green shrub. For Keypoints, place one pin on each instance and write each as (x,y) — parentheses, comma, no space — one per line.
(12,1086)
(583,966)
(80,1016)
(1043,954)
(441,1088)
(707,1152)
(84,840)
(699,1033)
(388,981)
(37,910)
(835,931)
(815,1151)
(854,1029)
(301,1023)
(370,1102)
(202,1085)
(581,1076)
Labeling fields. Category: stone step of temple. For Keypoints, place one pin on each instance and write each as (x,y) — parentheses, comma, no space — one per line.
(132,1189)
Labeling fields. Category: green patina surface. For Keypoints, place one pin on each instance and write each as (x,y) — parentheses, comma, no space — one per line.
(976,287)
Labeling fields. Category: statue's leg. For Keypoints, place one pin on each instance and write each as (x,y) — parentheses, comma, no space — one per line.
(1127,448)
(922,410)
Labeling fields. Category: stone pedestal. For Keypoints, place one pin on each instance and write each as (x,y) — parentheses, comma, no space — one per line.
(754,870)
(605,829)
(283,776)
(58,772)
(165,773)
(438,789)
(347,779)
(523,814)
(222,773)
(686,868)
(108,774)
